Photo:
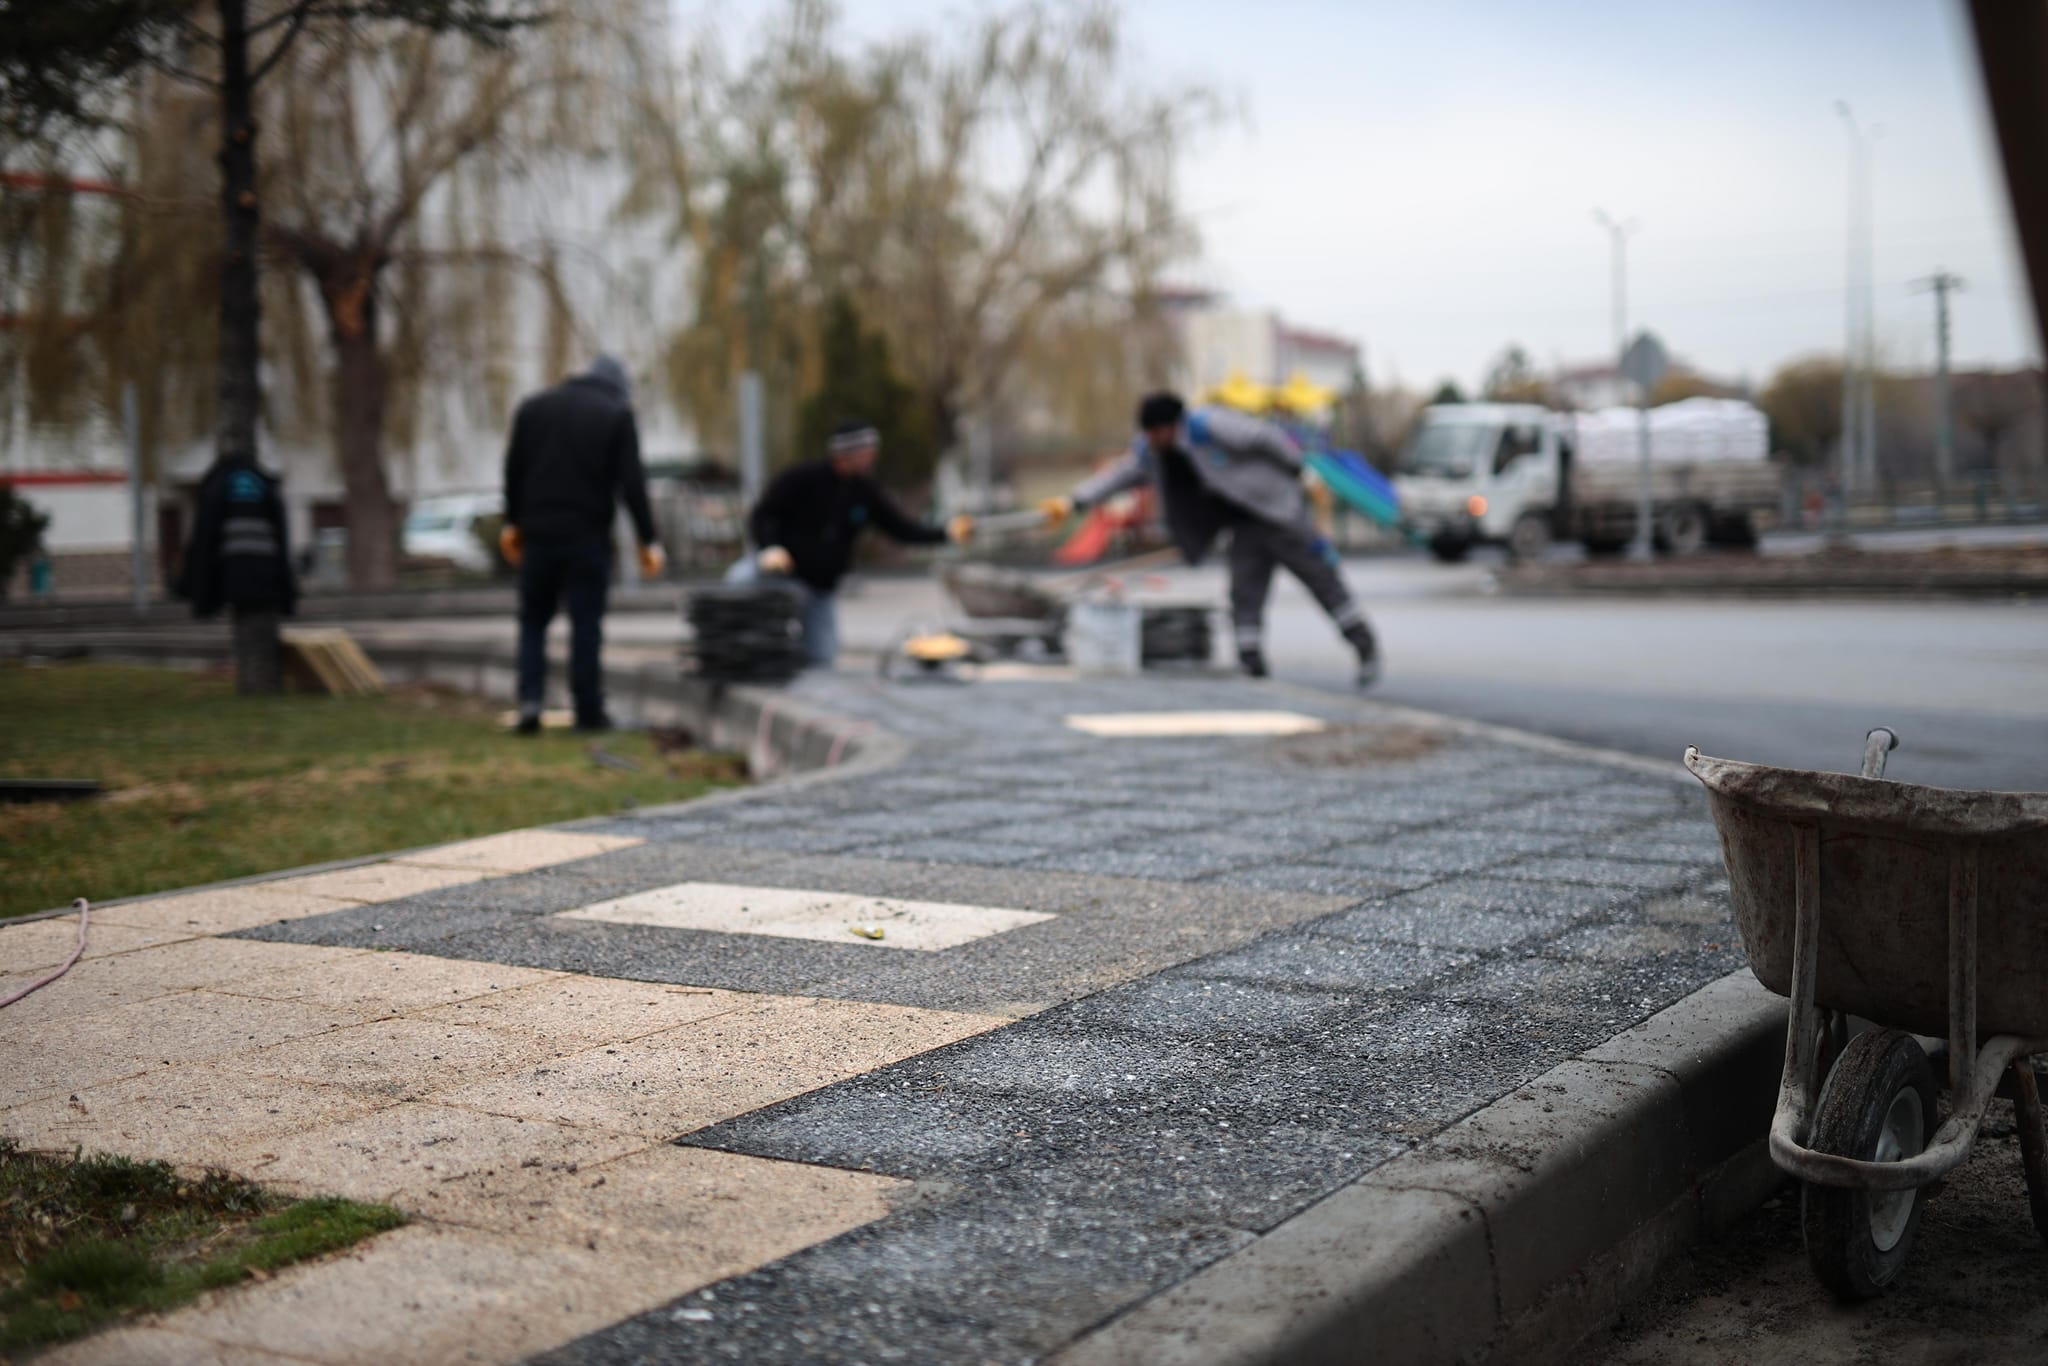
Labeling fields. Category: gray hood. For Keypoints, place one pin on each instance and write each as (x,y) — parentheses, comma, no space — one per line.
(608,370)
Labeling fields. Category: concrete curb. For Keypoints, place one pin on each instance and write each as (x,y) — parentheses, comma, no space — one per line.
(1513,1234)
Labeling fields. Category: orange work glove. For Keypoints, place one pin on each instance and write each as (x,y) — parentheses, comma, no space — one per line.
(511,547)
(1056,510)
(651,561)
(960,529)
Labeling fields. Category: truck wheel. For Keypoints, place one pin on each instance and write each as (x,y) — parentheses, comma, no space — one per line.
(1600,547)
(1876,1105)
(1530,538)
(1449,549)
(1682,530)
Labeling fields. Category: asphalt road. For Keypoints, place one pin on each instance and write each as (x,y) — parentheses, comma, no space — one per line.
(1786,682)
(1792,683)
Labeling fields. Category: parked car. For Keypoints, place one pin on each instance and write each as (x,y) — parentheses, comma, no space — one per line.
(443,527)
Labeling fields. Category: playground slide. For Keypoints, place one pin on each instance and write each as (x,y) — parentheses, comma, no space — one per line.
(1362,487)
(1090,541)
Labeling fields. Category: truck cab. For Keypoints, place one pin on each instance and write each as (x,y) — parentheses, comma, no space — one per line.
(1483,472)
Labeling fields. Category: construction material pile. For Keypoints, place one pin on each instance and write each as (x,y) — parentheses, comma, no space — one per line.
(744,634)
(1175,633)
(1692,431)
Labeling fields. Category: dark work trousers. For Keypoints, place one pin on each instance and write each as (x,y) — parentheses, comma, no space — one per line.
(579,570)
(1256,546)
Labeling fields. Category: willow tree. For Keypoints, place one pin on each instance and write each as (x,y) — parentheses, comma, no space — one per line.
(967,193)
(408,194)
(74,65)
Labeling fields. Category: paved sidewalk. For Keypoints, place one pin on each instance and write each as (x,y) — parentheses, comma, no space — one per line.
(1136,1000)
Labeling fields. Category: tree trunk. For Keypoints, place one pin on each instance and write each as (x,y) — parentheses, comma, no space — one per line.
(240,310)
(361,385)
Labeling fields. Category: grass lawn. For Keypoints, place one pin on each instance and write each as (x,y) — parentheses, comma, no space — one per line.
(203,785)
(86,1240)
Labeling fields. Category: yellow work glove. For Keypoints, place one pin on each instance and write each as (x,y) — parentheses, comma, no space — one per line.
(510,546)
(651,561)
(774,560)
(1056,510)
(960,529)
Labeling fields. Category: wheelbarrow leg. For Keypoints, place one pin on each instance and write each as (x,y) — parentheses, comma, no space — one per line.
(2026,1106)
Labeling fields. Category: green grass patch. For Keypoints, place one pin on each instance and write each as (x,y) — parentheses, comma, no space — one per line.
(203,785)
(86,1240)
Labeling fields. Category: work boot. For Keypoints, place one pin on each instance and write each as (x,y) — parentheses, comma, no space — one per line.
(529,721)
(593,725)
(1361,639)
(1253,662)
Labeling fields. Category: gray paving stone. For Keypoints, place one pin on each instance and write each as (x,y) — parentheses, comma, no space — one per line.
(1647,877)
(944,849)
(1316,879)
(1320,963)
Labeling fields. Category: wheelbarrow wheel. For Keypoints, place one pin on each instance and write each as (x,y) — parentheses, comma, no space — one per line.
(1877,1106)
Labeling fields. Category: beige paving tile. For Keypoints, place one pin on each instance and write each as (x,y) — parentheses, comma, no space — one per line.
(582,1011)
(144,1036)
(685,1078)
(377,983)
(401,1153)
(147,1346)
(790,913)
(219,912)
(715,1214)
(200,1115)
(430,1294)
(520,851)
(43,944)
(399,1057)
(376,882)
(162,969)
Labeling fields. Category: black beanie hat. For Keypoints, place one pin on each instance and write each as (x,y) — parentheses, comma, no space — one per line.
(1160,410)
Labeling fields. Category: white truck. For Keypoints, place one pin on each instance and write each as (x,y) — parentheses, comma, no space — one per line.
(1523,476)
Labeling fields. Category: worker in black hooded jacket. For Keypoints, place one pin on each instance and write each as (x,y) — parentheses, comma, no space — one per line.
(573,456)
(239,558)
(805,525)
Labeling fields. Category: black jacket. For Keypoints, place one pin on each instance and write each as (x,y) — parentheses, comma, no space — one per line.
(574,452)
(238,555)
(814,512)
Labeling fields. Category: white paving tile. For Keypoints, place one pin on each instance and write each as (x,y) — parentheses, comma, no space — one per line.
(1163,724)
(791,913)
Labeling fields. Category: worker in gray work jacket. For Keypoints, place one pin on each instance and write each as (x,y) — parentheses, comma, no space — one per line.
(1221,470)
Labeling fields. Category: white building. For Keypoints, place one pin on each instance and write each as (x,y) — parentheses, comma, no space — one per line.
(1218,341)
(624,283)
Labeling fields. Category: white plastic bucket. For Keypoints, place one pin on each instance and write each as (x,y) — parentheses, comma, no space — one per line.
(1103,639)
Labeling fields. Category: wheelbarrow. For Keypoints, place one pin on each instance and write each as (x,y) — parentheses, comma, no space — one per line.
(1924,912)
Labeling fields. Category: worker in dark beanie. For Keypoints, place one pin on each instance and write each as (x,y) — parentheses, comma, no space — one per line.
(573,456)
(1220,470)
(805,525)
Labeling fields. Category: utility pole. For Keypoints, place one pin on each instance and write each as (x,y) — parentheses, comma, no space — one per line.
(1939,284)
(1857,466)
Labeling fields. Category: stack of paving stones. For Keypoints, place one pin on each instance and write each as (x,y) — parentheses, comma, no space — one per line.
(1175,633)
(744,634)
(1261,980)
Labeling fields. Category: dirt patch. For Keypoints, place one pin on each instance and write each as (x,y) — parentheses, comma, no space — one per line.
(1359,746)
(1975,1291)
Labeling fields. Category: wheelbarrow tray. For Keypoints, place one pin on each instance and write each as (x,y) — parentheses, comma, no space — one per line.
(1890,857)
(985,591)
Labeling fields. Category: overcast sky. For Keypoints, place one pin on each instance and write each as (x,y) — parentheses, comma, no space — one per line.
(1422,176)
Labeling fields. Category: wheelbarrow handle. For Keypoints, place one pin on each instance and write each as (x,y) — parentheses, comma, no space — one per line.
(1881,741)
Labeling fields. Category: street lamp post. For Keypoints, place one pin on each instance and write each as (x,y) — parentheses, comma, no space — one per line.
(1641,548)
